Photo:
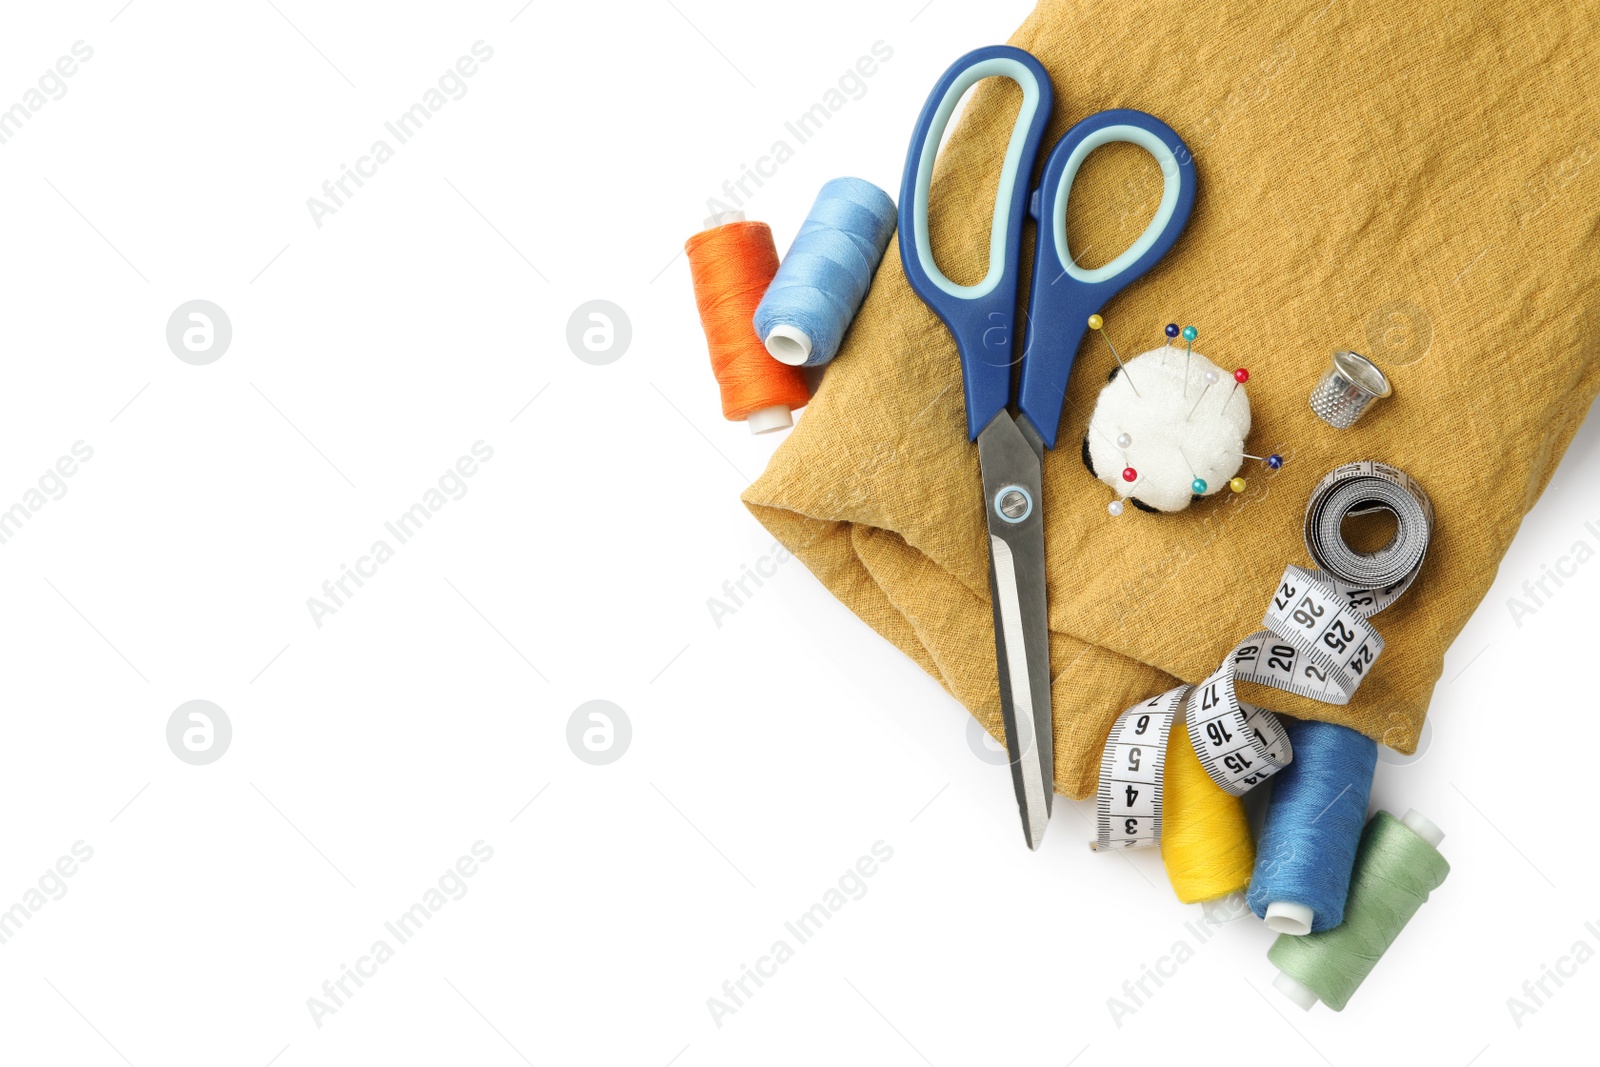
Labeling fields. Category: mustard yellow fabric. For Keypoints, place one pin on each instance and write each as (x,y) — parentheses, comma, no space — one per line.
(1414,181)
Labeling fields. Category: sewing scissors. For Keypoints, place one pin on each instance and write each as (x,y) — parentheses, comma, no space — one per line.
(982,319)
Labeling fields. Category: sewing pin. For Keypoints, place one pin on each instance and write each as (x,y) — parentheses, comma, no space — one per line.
(1189,334)
(1211,379)
(1240,376)
(1122,440)
(1123,443)
(1097,324)
(1172,331)
(1198,486)
(1274,461)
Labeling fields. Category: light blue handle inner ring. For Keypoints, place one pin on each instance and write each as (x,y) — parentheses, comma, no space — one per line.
(1169,200)
(999,256)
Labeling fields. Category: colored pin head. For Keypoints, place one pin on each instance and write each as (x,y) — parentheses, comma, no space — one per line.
(1189,334)
(1172,329)
(1236,484)
(1129,474)
(1240,376)
(1199,486)
(1274,461)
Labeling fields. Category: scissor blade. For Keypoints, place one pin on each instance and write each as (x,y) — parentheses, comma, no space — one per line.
(1013,505)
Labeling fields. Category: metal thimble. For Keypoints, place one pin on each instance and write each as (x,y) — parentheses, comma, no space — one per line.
(1347,388)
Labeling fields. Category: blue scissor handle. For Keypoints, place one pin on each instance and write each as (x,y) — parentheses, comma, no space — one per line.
(981,317)
(1065,294)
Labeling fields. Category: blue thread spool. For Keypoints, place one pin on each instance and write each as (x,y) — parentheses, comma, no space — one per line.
(824,277)
(1313,826)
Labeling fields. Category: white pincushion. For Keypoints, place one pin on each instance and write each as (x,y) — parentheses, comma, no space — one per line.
(1169,447)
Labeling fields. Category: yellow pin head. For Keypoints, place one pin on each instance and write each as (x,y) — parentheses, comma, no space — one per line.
(1095,322)
(1237,485)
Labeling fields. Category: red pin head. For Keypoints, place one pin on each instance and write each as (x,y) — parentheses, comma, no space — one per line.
(1129,474)
(1240,376)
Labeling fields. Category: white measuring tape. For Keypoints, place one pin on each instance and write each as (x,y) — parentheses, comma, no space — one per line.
(1317,642)
(1131,770)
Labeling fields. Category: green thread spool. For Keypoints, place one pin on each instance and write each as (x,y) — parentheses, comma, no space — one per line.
(1397,865)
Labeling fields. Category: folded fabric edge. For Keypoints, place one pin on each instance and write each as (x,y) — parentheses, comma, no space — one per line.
(1088,692)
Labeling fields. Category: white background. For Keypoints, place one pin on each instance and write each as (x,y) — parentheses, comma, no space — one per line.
(767,754)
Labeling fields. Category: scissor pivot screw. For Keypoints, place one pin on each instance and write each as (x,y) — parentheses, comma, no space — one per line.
(1013,503)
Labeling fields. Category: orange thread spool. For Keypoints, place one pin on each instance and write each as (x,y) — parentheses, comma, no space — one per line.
(732,265)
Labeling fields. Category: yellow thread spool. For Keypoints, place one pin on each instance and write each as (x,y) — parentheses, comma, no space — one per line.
(1205,837)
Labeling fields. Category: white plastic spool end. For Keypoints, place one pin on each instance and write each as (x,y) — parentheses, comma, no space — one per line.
(1296,992)
(722,218)
(1284,917)
(766,420)
(1422,826)
(788,344)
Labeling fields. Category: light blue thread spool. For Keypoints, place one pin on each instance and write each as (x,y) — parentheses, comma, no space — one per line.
(1313,826)
(824,277)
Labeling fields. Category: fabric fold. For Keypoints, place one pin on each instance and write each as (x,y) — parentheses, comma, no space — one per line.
(1411,183)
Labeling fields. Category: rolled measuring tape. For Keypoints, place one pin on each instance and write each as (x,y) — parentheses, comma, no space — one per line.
(1317,642)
